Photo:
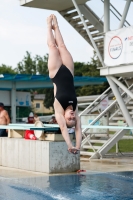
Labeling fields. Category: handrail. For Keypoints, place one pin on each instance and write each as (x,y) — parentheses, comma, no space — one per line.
(126,102)
(99,116)
(98,98)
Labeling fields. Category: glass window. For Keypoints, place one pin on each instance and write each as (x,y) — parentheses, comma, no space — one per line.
(37,105)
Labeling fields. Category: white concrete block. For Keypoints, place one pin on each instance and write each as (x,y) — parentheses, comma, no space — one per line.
(10,152)
(24,154)
(32,155)
(21,152)
(45,157)
(4,151)
(38,156)
(26,160)
(15,153)
(61,160)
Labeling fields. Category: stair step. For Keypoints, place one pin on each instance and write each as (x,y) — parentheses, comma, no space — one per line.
(100,135)
(98,141)
(119,113)
(70,15)
(130,107)
(81,26)
(113,124)
(86,153)
(130,103)
(90,29)
(90,147)
(118,118)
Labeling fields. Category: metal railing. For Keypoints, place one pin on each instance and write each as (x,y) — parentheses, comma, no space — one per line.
(117,14)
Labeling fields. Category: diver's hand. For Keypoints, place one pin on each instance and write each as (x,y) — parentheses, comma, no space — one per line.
(73,150)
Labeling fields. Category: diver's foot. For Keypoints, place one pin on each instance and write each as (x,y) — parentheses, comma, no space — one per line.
(49,21)
(55,23)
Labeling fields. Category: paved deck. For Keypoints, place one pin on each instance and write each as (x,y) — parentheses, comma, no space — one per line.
(109,164)
(103,165)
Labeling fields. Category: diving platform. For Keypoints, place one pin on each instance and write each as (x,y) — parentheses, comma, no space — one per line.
(117,71)
(51,4)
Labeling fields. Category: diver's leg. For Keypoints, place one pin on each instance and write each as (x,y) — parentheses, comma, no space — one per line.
(64,53)
(54,60)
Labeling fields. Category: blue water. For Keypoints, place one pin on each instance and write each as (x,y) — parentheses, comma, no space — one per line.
(87,186)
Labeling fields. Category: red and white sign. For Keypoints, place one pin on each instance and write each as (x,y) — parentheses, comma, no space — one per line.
(119,47)
(104,104)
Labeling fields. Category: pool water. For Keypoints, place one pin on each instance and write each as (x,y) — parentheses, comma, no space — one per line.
(85,186)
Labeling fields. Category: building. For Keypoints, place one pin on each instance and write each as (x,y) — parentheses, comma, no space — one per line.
(38,104)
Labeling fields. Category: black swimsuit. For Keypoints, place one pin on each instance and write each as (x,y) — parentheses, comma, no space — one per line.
(65,88)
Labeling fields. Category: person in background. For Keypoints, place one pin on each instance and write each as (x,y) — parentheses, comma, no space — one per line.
(36,118)
(53,120)
(31,118)
(4,120)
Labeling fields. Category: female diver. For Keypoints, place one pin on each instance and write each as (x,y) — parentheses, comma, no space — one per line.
(61,72)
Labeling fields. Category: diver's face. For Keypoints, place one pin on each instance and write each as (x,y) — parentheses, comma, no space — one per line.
(70,118)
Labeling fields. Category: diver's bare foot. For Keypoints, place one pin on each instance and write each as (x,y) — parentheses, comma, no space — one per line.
(55,23)
(49,21)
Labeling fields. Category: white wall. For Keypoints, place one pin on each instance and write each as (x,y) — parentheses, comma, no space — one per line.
(5,97)
(22,98)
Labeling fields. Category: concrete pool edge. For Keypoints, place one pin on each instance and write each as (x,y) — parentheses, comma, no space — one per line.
(37,156)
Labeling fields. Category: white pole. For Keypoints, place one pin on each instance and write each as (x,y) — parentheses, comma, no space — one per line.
(125,13)
(106,15)
(13,103)
(117,148)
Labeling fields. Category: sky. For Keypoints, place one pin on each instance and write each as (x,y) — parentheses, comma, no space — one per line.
(24,29)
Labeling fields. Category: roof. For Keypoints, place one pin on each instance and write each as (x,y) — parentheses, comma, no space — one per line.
(26,81)
(39,96)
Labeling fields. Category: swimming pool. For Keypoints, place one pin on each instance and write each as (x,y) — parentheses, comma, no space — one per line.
(86,186)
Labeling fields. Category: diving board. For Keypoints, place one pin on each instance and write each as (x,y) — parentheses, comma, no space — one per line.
(47,126)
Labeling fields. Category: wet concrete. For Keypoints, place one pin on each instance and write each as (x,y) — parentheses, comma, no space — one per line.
(97,165)
(108,165)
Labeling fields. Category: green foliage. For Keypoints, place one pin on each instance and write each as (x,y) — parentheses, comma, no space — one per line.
(6,70)
(42,64)
(89,69)
(49,97)
(36,65)
(23,111)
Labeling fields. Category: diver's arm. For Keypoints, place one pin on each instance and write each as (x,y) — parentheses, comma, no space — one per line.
(78,131)
(62,124)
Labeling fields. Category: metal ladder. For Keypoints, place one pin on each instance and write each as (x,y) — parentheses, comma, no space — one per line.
(96,142)
(94,24)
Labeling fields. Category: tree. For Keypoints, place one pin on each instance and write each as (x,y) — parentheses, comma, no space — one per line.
(27,65)
(42,64)
(6,70)
(49,97)
(90,69)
